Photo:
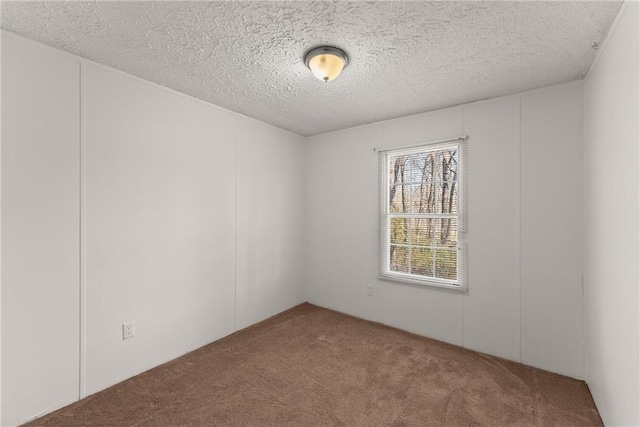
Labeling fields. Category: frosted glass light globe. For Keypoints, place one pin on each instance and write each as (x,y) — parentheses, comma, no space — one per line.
(326,63)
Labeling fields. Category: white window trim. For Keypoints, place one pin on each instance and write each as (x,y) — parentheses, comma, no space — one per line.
(384,273)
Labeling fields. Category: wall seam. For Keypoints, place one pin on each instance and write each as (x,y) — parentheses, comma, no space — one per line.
(305,245)
(465,208)
(378,258)
(582,237)
(519,226)
(83,244)
(235,239)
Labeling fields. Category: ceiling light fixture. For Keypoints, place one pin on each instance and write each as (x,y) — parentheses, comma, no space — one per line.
(326,62)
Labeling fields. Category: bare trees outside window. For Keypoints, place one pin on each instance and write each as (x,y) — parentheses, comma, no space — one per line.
(422,213)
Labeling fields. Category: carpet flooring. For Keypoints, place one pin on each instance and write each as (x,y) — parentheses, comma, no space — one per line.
(310,366)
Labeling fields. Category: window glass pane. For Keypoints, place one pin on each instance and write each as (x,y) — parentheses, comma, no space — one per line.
(399,198)
(437,167)
(446,232)
(446,162)
(399,232)
(399,170)
(447,197)
(423,197)
(391,171)
(422,261)
(446,264)
(399,259)
(416,162)
(450,165)
(447,181)
(428,167)
(422,231)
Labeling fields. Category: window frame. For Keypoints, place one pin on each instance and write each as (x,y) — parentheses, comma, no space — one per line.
(385,273)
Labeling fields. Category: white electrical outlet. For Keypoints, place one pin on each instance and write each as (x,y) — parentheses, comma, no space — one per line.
(128,330)
(370,290)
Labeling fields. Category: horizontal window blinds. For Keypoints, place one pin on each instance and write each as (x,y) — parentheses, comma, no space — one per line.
(422,214)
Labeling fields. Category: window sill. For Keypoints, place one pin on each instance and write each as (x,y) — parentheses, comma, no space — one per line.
(422,282)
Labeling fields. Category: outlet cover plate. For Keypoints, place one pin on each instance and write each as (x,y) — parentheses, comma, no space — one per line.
(128,330)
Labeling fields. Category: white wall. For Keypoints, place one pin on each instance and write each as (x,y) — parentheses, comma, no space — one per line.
(270,261)
(341,225)
(524,298)
(40,234)
(180,230)
(611,232)
(160,225)
(551,231)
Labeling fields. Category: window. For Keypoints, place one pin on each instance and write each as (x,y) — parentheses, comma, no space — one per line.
(422,221)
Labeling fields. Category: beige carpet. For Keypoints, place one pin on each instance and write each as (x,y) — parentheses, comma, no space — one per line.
(311,366)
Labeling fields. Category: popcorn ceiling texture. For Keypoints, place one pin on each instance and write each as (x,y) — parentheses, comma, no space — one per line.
(405,57)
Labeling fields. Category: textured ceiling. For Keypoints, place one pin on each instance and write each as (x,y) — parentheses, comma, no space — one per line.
(405,57)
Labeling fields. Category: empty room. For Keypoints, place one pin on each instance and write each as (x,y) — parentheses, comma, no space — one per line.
(320,213)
